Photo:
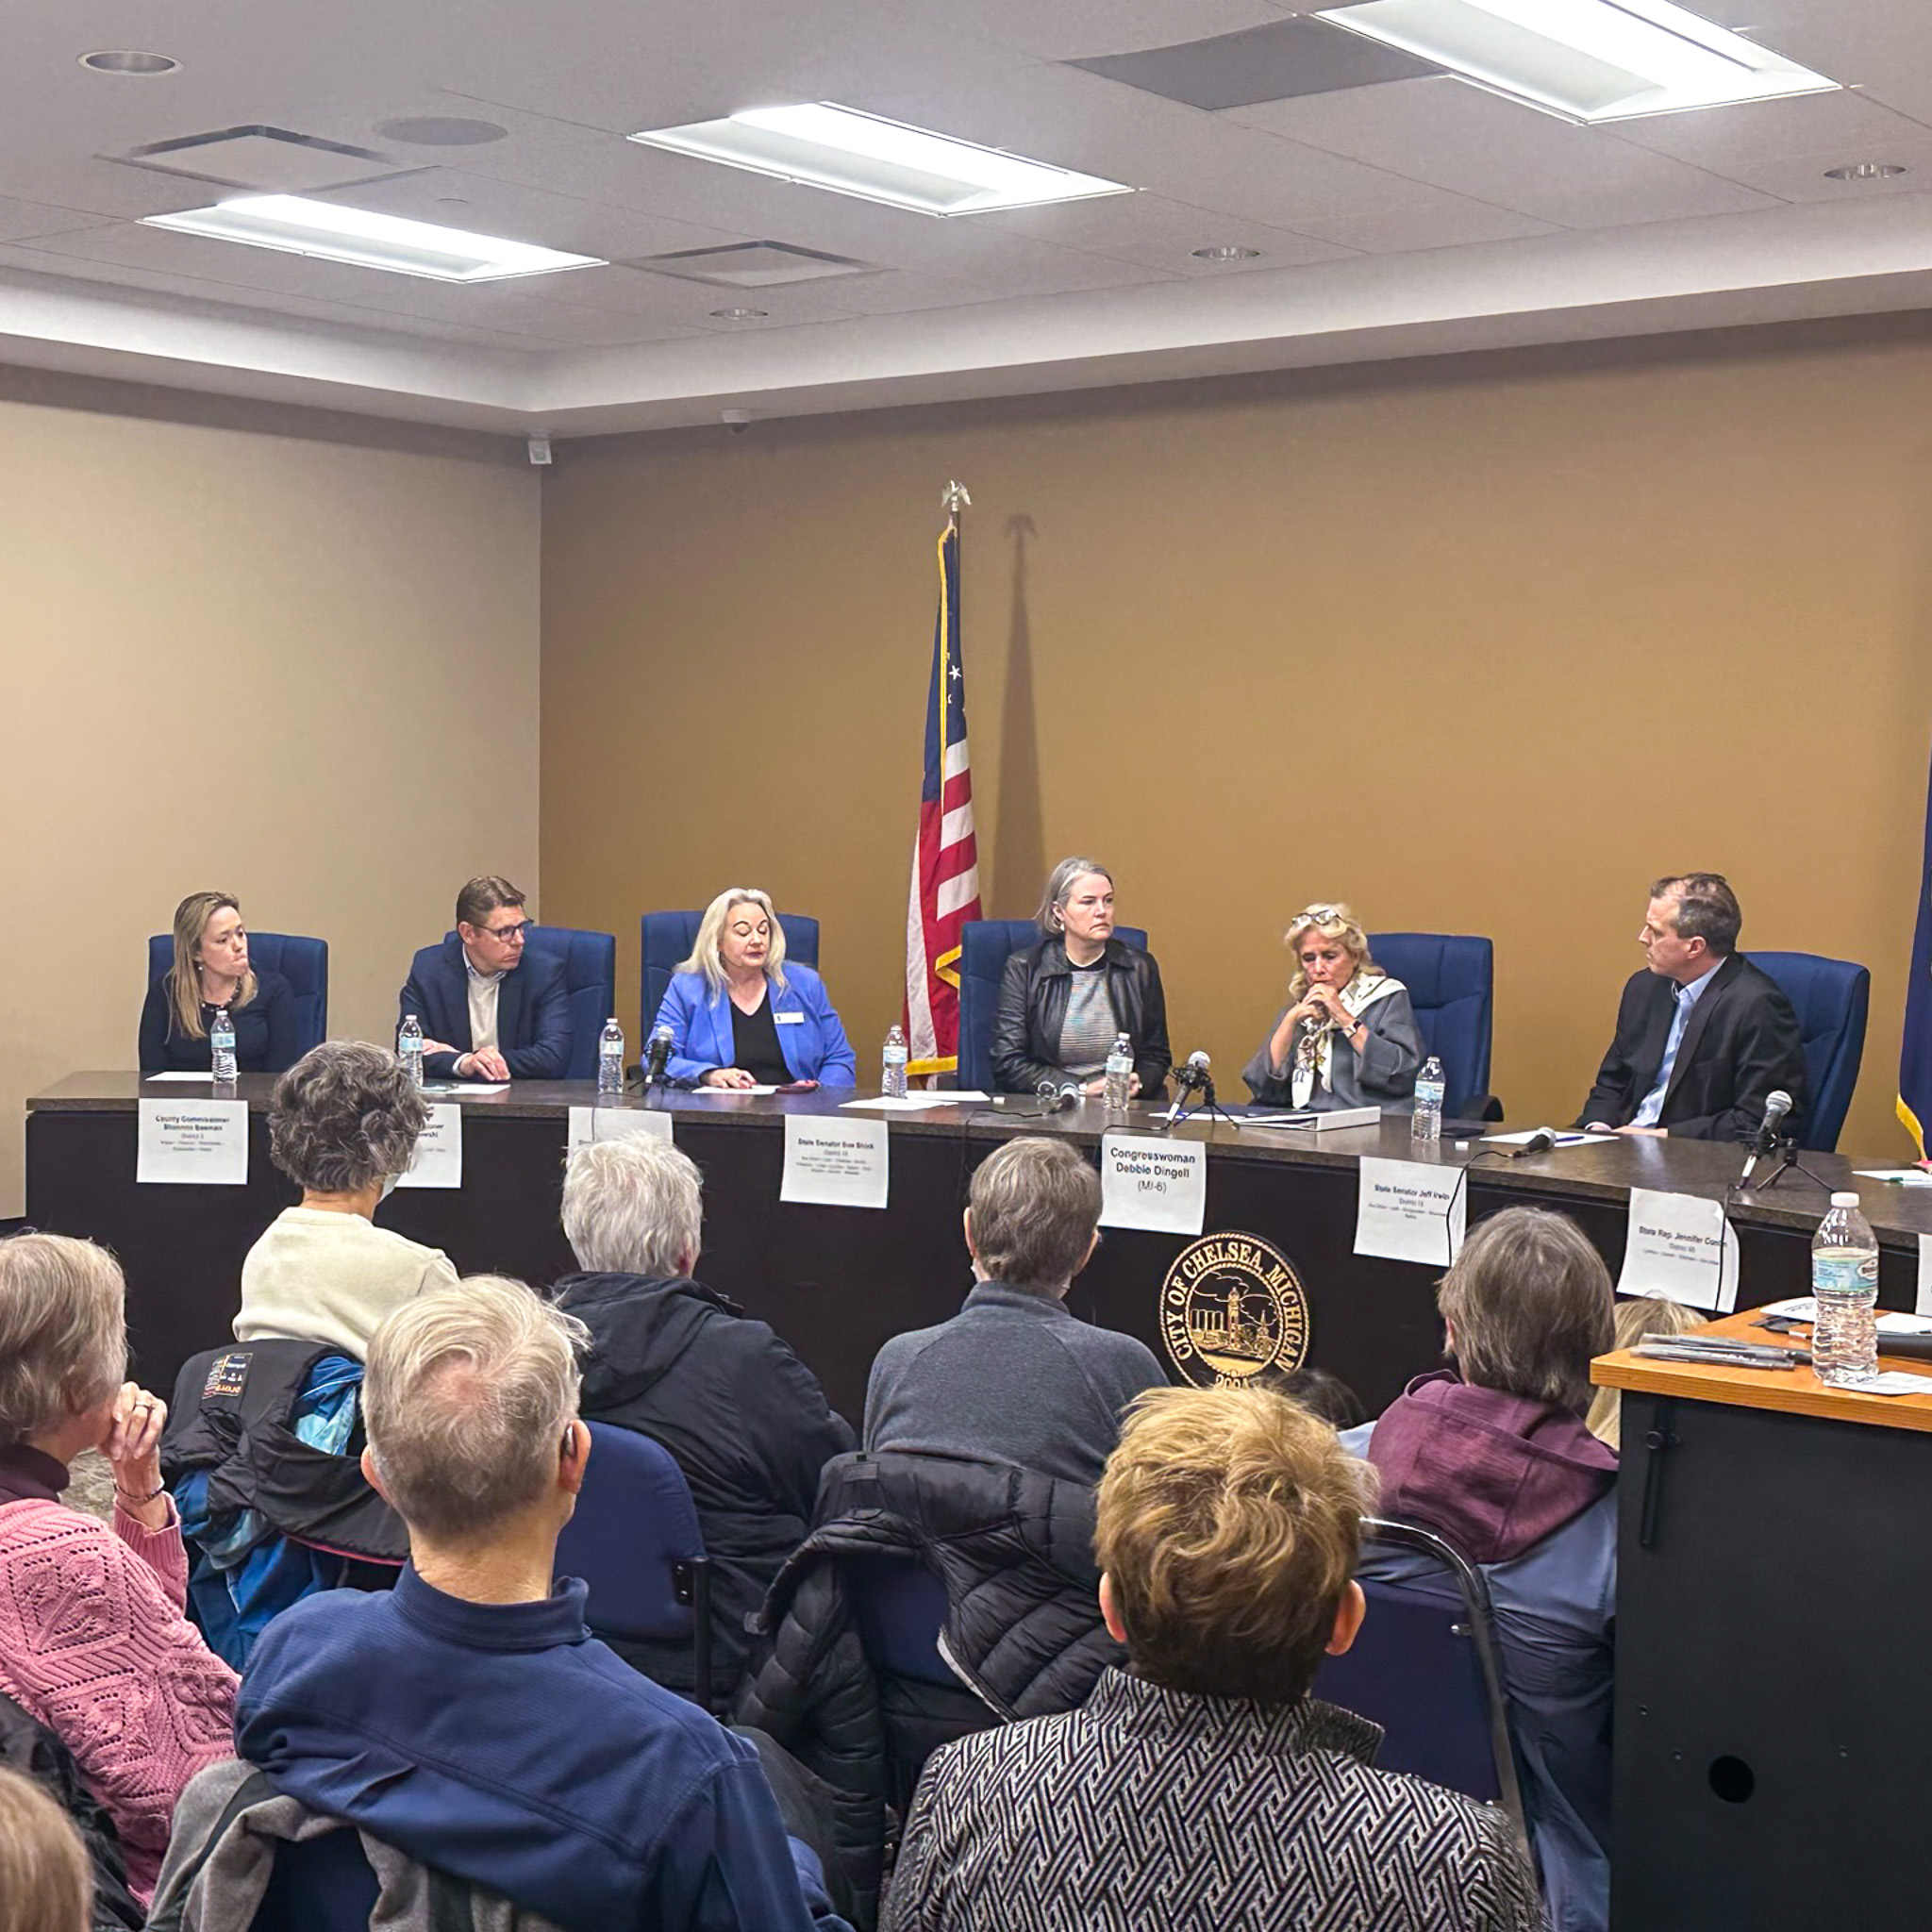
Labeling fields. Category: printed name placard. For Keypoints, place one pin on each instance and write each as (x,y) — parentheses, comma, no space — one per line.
(1681,1247)
(587,1124)
(834,1163)
(438,1161)
(1924,1303)
(1410,1210)
(1147,1181)
(199,1143)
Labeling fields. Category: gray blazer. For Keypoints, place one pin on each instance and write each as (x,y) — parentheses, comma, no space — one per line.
(1384,1075)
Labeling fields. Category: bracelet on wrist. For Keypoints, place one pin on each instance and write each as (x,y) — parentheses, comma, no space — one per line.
(137,1502)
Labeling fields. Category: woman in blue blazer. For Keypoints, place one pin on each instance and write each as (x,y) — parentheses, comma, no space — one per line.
(739,1017)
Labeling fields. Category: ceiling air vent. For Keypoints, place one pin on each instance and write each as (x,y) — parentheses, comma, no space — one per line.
(264,160)
(753,265)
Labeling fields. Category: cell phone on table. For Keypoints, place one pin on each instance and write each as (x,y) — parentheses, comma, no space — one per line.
(797,1087)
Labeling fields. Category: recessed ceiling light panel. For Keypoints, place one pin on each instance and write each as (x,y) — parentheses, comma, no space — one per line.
(1865,171)
(824,145)
(1584,60)
(319,228)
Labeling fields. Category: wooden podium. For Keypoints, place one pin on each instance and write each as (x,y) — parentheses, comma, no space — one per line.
(1774,1700)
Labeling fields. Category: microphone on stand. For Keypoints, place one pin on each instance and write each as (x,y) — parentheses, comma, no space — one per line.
(1776,1105)
(1191,1076)
(1058,1097)
(657,1055)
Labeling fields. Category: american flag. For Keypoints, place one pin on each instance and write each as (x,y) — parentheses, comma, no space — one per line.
(945,860)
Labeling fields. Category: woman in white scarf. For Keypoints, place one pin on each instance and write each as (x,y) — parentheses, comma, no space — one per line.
(1347,1037)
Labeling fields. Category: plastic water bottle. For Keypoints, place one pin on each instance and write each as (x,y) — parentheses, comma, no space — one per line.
(1844,1283)
(220,1044)
(409,1048)
(1426,1124)
(892,1073)
(1120,1075)
(611,1058)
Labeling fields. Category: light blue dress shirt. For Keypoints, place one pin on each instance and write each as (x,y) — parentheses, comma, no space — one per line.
(1686,998)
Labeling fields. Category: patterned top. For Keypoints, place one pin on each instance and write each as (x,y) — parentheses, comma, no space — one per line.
(1087,1032)
(1152,1810)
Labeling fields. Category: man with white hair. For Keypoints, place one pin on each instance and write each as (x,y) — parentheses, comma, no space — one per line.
(468,1719)
(739,1414)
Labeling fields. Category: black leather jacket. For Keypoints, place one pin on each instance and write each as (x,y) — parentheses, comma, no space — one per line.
(1033,1005)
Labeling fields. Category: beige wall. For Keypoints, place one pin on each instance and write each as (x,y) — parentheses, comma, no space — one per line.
(367,600)
(1480,644)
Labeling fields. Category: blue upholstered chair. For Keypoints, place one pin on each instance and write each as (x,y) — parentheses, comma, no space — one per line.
(1451,981)
(634,1538)
(590,985)
(985,947)
(303,962)
(1830,997)
(668,938)
(322,1884)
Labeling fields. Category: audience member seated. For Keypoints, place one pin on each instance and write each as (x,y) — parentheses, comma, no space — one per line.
(1014,1376)
(1637,1320)
(93,1643)
(742,1417)
(1064,1002)
(1320,1392)
(211,972)
(1347,1037)
(485,1014)
(32,1751)
(1202,1787)
(1494,1457)
(343,1123)
(44,1882)
(738,1016)
(467,1718)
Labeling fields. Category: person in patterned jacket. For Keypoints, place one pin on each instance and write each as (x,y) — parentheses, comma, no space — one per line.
(1202,1789)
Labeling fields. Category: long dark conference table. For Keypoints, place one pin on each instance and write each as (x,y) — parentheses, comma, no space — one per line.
(837,1282)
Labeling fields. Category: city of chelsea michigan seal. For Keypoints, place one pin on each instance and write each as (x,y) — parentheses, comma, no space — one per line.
(1231,1307)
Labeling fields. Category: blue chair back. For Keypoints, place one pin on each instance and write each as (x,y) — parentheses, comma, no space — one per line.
(1426,1670)
(1451,981)
(668,936)
(303,962)
(590,985)
(1830,998)
(323,1884)
(634,1538)
(902,1609)
(985,947)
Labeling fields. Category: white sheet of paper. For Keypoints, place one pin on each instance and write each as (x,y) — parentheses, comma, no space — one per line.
(1564,1138)
(1148,1181)
(1682,1247)
(1898,1176)
(898,1103)
(833,1163)
(201,1143)
(1803,1308)
(467,1089)
(438,1161)
(1897,1382)
(1922,1301)
(204,1079)
(587,1124)
(1410,1210)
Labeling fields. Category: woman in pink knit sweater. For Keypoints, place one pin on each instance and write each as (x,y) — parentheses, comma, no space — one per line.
(93,1639)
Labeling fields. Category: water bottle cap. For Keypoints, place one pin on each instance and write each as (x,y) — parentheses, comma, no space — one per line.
(1844,1200)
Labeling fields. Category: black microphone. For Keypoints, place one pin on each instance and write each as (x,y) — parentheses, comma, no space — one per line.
(1538,1142)
(1193,1074)
(1776,1105)
(656,1057)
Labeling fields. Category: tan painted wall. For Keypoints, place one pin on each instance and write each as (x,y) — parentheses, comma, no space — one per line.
(1481,645)
(369,600)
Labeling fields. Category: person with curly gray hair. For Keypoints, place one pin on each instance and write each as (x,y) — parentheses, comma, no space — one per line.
(342,1125)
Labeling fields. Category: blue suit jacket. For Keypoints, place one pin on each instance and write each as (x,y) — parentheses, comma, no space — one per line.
(814,1043)
(532,1013)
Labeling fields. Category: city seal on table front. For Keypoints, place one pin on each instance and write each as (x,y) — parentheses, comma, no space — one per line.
(1231,1307)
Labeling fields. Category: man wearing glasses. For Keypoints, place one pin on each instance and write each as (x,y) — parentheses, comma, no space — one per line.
(485,1014)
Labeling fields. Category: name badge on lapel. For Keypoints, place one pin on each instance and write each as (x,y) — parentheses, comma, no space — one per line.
(789,1019)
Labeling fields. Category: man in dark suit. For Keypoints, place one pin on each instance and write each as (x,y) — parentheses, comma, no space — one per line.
(1703,1036)
(486,1015)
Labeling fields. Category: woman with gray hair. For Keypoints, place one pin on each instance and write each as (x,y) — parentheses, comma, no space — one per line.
(742,1416)
(1064,1002)
(93,1642)
(342,1125)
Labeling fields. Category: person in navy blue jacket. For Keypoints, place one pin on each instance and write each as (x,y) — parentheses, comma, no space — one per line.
(739,1017)
(211,972)
(468,1718)
(487,1012)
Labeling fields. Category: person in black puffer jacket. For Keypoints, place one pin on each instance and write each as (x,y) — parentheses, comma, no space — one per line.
(741,1415)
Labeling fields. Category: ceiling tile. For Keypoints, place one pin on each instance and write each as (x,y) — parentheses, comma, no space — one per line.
(20,219)
(1078,29)
(1449,221)
(1721,138)
(1803,177)
(1159,233)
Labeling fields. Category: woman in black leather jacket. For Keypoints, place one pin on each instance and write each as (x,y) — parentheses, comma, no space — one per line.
(1062,1002)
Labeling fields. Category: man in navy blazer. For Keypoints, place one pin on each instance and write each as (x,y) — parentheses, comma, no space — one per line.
(485,1014)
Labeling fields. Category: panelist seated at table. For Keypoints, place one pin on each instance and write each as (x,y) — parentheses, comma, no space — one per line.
(739,1016)
(1347,1037)
(1703,1036)
(486,1013)
(1064,1002)
(211,971)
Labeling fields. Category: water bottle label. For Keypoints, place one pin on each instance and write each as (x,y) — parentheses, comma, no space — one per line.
(1844,1274)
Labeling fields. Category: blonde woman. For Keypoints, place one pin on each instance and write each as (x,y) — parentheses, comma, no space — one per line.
(45,1885)
(1347,1037)
(211,971)
(741,1017)
(1637,1320)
